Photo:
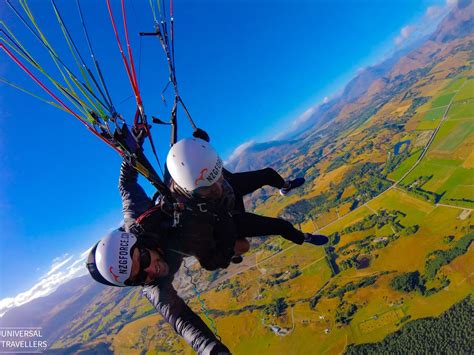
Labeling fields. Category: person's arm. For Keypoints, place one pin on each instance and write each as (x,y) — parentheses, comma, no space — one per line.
(134,199)
(183,320)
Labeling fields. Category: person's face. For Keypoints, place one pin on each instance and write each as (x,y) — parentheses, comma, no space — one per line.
(212,192)
(147,266)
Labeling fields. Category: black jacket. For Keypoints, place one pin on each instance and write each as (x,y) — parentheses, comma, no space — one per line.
(209,228)
(163,296)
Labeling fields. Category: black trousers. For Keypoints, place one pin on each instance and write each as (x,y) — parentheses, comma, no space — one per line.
(250,225)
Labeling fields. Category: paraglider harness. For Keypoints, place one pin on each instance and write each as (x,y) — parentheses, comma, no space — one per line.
(166,207)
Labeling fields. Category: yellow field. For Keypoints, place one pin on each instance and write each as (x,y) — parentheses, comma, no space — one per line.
(380,321)
(396,199)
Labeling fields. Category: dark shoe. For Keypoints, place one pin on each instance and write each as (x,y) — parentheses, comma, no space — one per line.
(236,259)
(292,184)
(316,239)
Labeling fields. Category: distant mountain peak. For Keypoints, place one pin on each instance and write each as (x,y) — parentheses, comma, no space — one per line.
(457,24)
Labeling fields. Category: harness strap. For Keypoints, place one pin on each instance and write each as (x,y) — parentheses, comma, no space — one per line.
(147,213)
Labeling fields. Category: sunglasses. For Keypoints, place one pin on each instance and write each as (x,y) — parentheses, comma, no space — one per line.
(208,191)
(145,261)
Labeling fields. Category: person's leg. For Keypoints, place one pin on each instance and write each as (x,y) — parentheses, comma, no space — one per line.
(248,182)
(252,225)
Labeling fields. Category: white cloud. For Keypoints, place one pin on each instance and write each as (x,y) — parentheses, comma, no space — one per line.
(85,254)
(405,33)
(305,116)
(239,150)
(62,270)
(325,100)
(433,11)
(299,120)
(425,25)
(58,263)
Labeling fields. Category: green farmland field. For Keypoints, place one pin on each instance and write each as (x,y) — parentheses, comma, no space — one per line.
(414,208)
(440,172)
(427,125)
(434,114)
(461,110)
(460,185)
(466,92)
(405,166)
(442,100)
(454,85)
(452,134)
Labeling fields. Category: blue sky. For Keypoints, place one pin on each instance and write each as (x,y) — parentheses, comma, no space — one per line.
(247,70)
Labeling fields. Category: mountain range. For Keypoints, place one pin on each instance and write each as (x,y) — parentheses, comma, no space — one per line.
(372,82)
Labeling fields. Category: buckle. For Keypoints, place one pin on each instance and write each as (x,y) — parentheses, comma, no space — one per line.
(202,207)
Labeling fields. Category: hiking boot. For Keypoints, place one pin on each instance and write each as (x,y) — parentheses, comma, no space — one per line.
(316,239)
(292,184)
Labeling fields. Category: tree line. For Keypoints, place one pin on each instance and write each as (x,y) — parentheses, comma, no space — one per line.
(451,333)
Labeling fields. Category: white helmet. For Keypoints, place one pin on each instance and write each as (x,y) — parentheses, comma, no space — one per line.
(111,258)
(193,163)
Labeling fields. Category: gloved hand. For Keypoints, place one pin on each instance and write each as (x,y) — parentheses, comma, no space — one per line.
(199,133)
(219,349)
